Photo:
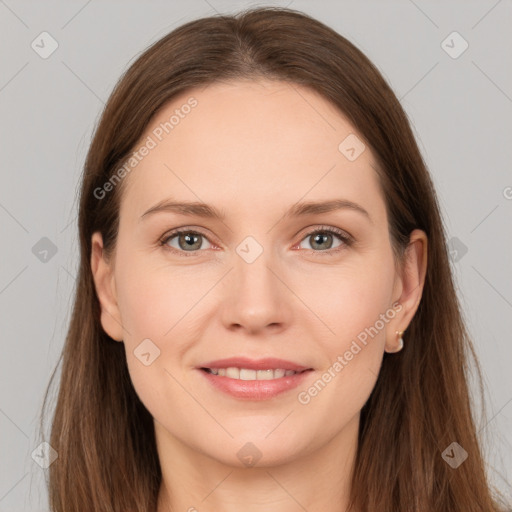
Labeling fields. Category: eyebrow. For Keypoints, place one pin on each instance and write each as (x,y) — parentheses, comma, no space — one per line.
(198,209)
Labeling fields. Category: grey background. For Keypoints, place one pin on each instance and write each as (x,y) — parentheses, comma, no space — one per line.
(460,109)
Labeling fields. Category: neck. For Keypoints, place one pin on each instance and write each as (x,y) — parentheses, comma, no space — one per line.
(315,480)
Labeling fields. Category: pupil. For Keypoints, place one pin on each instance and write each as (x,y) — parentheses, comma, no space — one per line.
(190,240)
(321,236)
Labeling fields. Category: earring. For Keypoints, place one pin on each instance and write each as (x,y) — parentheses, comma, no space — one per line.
(400,341)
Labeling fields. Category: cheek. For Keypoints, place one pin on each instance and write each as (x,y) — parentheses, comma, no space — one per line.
(350,299)
(355,303)
(140,300)
(158,304)
(153,307)
(153,300)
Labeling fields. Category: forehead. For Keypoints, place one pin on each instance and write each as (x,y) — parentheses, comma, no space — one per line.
(250,143)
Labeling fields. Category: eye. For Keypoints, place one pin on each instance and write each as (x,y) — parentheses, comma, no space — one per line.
(186,240)
(322,239)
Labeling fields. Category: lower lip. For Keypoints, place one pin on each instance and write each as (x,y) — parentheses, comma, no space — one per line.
(255,389)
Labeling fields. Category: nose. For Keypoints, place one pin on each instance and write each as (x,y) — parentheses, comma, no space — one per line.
(256,297)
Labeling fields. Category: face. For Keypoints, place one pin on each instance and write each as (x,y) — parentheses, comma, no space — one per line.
(316,288)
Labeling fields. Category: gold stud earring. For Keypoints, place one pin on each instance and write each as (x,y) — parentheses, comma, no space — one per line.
(400,341)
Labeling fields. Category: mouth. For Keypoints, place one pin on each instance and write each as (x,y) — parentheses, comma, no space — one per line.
(253,379)
(248,379)
(236,373)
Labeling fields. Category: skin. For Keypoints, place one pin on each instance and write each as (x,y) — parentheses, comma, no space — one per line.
(252,149)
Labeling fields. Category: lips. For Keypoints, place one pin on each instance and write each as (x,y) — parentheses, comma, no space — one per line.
(249,374)
(250,379)
(268,363)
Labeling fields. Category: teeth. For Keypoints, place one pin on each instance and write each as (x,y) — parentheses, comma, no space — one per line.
(233,373)
(248,374)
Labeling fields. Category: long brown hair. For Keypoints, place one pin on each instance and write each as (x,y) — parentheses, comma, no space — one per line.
(420,404)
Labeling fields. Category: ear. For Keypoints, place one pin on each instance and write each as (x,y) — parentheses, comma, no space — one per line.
(104,282)
(409,285)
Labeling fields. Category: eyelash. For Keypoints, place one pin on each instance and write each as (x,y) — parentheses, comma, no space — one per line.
(346,239)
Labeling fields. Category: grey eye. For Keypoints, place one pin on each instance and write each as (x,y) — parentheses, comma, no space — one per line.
(321,240)
(189,241)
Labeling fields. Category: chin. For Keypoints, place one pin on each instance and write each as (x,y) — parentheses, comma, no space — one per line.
(260,451)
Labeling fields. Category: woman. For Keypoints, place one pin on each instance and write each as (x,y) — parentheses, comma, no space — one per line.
(265,317)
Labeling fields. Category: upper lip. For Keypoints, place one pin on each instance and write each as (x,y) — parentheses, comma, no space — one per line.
(255,364)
